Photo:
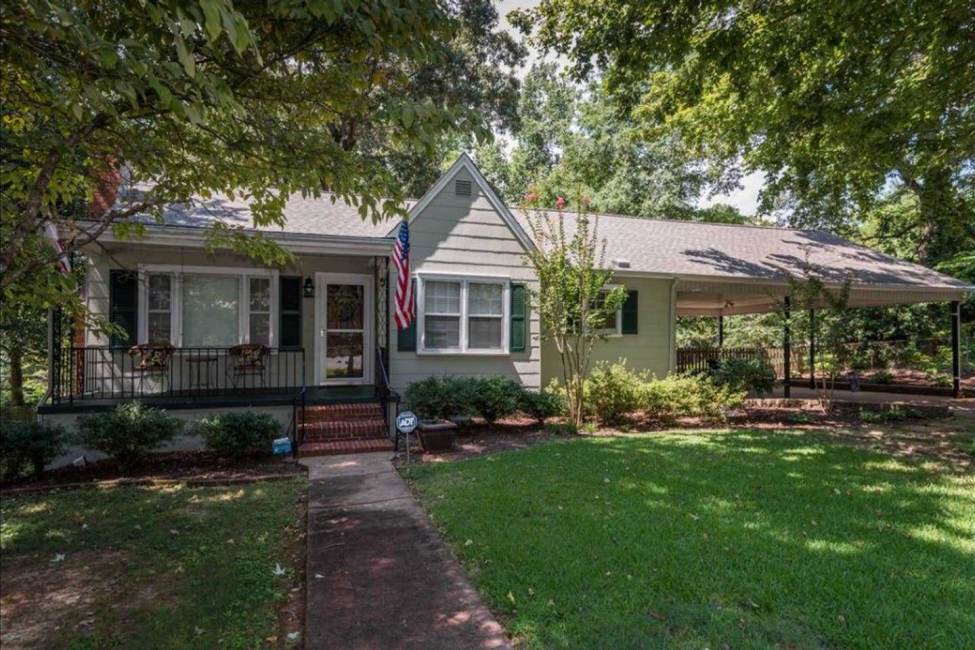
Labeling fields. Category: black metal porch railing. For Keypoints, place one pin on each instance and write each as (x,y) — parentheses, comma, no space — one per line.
(122,373)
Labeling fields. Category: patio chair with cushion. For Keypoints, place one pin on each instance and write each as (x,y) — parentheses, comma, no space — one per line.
(151,359)
(248,360)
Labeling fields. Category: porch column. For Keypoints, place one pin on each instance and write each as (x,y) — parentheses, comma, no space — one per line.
(721,330)
(812,349)
(956,347)
(787,350)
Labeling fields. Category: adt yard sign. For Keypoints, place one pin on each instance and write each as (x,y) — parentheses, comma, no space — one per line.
(406,422)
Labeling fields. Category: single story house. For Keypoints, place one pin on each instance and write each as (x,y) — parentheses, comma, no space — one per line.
(315,342)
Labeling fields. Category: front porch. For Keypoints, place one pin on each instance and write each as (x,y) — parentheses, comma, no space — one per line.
(216,332)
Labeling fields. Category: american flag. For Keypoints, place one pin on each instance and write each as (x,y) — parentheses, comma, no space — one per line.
(404,288)
(52,233)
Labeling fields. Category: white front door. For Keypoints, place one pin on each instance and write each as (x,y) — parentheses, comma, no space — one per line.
(343,320)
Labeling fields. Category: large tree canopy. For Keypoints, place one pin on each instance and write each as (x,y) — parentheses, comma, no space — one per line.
(262,99)
(838,103)
(574,141)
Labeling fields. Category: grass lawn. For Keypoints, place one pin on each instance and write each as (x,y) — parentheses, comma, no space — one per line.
(735,539)
(148,567)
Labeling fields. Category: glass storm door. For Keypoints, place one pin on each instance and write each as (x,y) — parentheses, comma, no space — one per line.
(346,331)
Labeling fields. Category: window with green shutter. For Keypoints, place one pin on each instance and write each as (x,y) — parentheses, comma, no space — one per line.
(123,306)
(406,339)
(290,312)
(629,312)
(519,318)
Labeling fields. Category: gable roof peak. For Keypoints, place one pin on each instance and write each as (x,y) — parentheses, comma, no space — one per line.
(465,162)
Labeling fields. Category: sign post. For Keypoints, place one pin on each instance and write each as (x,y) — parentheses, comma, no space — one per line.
(406,423)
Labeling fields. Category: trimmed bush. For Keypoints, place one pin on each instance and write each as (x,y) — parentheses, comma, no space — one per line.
(439,398)
(239,434)
(541,405)
(687,396)
(613,391)
(128,432)
(494,397)
(749,375)
(28,445)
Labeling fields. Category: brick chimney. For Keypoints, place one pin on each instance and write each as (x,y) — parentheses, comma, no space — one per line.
(108,179)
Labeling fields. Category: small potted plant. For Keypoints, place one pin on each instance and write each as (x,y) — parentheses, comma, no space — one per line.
(436,400)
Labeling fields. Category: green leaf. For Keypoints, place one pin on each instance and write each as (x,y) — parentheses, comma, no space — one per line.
(408,115)
(212,13)
(189,65)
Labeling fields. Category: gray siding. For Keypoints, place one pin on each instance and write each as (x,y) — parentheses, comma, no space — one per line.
(650,348)
(465,236)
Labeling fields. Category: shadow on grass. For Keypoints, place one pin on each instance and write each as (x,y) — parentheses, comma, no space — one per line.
(741,538)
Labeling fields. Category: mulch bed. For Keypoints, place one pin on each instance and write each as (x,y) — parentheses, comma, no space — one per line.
(192,467)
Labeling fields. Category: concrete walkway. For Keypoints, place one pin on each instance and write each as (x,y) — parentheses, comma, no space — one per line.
(379,576)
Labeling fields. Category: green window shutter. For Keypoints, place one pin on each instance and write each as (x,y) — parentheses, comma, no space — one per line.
(123,306)
(519,317)
(406,339)
(630,313)
(289,311)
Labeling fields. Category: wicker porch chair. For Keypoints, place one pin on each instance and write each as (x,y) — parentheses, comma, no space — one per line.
(248,360)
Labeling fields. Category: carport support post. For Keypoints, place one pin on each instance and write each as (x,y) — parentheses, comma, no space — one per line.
(787,350)
(720,330)
(812,349)
(956,347)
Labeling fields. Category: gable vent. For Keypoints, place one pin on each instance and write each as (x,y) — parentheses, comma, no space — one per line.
(462,188)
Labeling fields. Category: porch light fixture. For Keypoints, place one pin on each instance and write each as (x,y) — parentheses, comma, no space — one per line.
(309,288)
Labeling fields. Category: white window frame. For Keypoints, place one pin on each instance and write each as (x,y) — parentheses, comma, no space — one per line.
(465,282)
(176,272)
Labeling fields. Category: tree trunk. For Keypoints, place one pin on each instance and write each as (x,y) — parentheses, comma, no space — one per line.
(16,358)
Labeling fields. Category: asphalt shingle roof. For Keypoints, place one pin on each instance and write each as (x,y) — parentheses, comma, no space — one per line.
(325,215)
(666,247)
(689,248)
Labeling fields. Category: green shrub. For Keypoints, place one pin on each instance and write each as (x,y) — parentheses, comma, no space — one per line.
(128,432)
(613,391)
(749,375)
(882,377)
(494,397)
(541,405)
(561,428)
(28,444)
(439,398)
(861,361)
(688,396)
(239,434)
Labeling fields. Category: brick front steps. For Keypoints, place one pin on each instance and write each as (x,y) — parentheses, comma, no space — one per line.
(342,429)
(350,446)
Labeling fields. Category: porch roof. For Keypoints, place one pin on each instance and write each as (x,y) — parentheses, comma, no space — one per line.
(304,215)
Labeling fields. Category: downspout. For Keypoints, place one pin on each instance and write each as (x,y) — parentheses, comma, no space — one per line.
(672,309)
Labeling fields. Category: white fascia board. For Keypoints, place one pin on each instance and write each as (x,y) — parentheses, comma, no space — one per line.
(301,243)
(465,162)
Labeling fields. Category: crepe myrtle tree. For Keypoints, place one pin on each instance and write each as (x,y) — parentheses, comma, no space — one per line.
(574,300)
(810,291)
